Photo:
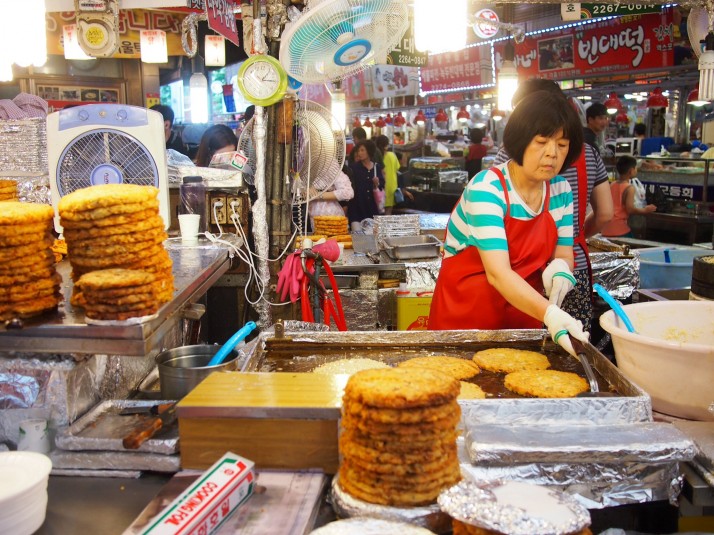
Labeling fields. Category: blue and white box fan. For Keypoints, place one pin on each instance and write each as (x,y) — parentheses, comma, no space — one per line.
(106,144)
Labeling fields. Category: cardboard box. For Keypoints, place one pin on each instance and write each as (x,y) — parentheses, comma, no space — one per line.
(413,311)
(204,505)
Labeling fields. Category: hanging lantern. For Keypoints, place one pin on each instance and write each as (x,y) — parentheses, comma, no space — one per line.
(215,51)
(153,46)
(367,123)
(622,118)
(198,90)
(380,122)
(657,99)
(420,119)
(613,104)
(399,120)
(70,42)
(694,99)
(498,115)
(441,117)
(356,122)
(463,116)
(389,119)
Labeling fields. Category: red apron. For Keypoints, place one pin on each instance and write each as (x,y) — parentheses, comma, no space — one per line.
(463,297)
(582,194)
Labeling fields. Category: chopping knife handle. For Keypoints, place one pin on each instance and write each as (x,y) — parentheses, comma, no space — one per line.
(142,433)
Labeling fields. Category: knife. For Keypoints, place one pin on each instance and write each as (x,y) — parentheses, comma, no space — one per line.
(145,409)
(148,428)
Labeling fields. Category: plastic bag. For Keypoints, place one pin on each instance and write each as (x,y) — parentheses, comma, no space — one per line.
(398,196)
(380,197)
(640,193)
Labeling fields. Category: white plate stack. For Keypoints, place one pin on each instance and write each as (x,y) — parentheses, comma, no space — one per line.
(23,491)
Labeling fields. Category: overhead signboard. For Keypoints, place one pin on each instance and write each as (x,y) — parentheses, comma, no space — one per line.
(485,30)
(406,53)
(620,45)
(578,11)
(464,69)
(222,19)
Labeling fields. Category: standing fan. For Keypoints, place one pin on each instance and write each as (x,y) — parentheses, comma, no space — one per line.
(699,23)
(246,146)
(333,39)
(318,151)
(106,144)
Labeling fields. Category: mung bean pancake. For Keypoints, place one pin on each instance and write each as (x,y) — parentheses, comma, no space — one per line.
(400,388)
(420,429)
(116,220)
(400,416)
(348,366)
(102,195)
(471,391)
(507,360)
(453,366)
(25,213)
(356,450)
(546,383)
(114,278)
(107,211)
(100,233)
(401,467)
(26,249)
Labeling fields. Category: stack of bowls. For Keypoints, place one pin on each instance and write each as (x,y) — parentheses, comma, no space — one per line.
(23,491)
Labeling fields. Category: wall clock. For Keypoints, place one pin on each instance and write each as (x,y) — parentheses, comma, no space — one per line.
(262,80)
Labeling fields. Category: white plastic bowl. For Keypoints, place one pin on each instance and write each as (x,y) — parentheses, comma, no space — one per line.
(671,355)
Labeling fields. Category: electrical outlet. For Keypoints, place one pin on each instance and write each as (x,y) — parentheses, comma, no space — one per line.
(218,213)
(234,204)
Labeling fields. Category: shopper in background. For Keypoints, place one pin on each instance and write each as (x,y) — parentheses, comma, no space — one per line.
(329,202)
(589,183)
(173,139)
(511,233)
(367,177)
(216,139)
(623,198)
(597,119)
(477,151)
(391,169)
(359,134)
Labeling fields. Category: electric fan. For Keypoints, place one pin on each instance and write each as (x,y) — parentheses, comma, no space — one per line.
(698,25)
(318,151)
(333,39)
(106,144)
(245,146)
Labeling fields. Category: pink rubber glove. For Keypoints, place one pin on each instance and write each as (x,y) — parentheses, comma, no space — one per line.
(287,278)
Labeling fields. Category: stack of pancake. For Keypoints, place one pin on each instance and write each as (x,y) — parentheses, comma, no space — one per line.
(29,284)
(118,294)
(398,444)
(116,226)
(331,225)
(8,190)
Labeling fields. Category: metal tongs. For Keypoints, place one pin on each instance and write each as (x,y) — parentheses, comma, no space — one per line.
(580,349)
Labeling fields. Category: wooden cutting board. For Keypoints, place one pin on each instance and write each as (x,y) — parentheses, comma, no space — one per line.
(278,420)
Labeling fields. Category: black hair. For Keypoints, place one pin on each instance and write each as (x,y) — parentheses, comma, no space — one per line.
(542,114)
(476,135)
(596,109)
(382,143)
(214,138)
(533,85)
(640,129)
(359,133)
(370,146)
(249,112)
(165,111)
(625,163)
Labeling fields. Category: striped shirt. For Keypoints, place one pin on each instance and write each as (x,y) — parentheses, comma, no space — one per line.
(478,218)
(597,174)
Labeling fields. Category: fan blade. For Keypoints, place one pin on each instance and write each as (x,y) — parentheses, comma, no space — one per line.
(697,28)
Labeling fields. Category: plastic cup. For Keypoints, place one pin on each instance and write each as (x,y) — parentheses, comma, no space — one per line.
(189,223)
(34,436)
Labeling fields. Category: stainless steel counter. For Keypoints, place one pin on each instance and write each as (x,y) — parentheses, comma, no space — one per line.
(195,270)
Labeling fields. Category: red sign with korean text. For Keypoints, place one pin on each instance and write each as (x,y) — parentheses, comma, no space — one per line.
(222,19)
(469,67)
(609,47)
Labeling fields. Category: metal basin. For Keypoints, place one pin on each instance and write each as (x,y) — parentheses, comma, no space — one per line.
(181,369)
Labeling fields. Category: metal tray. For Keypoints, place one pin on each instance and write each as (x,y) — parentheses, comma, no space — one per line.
(103,428)
(407,247)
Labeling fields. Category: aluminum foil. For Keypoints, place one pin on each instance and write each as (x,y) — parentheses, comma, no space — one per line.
(360,308)
(644,442)
(507,507)
(369,526)
(133,474)
(103,428)
(277,17)
(422,275)
(34,188)
(112,460)
(429,517)
(23,146)
(595,485)
(618,274)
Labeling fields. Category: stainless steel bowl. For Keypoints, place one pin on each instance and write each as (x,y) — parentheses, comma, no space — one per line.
(181,369)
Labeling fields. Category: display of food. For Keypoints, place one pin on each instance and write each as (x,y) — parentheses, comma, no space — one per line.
(118,294)
(331,225)
(546,383)
(398,444)
(8,190)
(452,366)
(29,283)
(116,226)
(348,366)
(507,360)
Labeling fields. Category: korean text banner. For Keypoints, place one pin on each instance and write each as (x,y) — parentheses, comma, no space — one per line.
(609,47)
(465,68)
(131,22)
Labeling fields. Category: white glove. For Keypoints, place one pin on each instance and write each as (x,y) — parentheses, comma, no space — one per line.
(558,280)
(560,324)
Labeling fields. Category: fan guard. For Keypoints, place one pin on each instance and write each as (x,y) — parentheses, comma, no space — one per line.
(698,25)
(247,148)
(105,156)
(334,39)
(318,150)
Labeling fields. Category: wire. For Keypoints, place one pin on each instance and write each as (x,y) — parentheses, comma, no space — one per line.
(217,204)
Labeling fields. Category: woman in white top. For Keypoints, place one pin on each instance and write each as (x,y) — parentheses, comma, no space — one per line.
(328,202)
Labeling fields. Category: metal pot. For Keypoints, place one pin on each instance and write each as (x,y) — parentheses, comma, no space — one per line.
(181,369)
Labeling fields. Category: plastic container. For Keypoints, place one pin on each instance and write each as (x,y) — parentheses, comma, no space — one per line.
(656,272)
(181,369)
(192,199)
(671,355)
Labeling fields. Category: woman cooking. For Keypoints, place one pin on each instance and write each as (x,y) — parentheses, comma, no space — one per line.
(509,224)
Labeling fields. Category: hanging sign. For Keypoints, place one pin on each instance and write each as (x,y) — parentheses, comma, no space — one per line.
(463,69)
(222,19)
(394,81)
(608,47)
(405,53)
(483,29)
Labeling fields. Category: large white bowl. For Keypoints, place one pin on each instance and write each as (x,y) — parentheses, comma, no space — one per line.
(671,355)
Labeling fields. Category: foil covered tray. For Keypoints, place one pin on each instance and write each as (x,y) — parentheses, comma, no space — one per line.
(103,428)
(112,460)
